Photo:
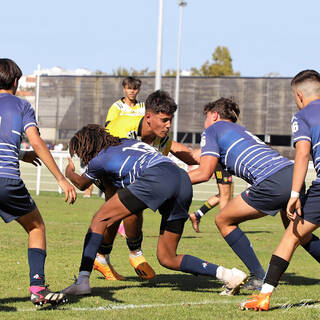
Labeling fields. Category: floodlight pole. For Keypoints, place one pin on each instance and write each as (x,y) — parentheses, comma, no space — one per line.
(181,4)
(159,49)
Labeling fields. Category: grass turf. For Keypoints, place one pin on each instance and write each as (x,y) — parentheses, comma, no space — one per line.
(171,294)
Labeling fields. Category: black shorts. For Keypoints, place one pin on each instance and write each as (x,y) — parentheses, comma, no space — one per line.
(15,200)
(272,194)
(222,175)
(311,204)
(164,187)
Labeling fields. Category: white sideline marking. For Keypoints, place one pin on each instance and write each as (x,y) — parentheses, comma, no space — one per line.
(137,306)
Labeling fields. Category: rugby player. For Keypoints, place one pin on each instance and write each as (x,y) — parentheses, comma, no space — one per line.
(245,156)
(152,128)
(17,117)
(225,188)
(145,179)
(304,214)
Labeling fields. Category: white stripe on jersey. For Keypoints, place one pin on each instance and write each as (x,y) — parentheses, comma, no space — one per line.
(8,144)
(236,142)
(8,150)
(15,163)
(274,168)
(210,152)
(257,155)
(10,174)
(315,145)
(120,171)
(16,132)
(302,137)
(262,164)
(29,124)
(12,157)
(246,150)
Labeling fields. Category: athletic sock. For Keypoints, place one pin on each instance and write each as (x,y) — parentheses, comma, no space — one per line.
(241,245)
(267,288)
(134,244)
(134,254)
(83,275)
(36,260)
(198,266)
(203,210)
(276,268)
(313,247)
(91,244)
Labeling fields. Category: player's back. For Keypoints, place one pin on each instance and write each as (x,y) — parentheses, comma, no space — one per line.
(16,115)
(125,162)
(241,152)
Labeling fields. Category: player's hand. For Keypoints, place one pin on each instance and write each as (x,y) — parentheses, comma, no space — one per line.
(69,190)
(31,157)
(293,208)
(70,168)
(194,222)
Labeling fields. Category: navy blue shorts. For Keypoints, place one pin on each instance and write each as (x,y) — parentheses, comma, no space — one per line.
(272,194)
(165,187)
(311,204)
(15,200)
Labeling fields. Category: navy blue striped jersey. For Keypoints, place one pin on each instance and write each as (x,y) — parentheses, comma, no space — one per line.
(305,125)
(240,152)
(122,164)
(16,115)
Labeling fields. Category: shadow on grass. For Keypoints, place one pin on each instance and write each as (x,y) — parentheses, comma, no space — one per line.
(260,231)
(181,282)
(293,279)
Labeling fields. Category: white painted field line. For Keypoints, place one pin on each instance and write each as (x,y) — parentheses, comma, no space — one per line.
(137,306)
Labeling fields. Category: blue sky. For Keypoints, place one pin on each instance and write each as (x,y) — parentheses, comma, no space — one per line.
(263,37)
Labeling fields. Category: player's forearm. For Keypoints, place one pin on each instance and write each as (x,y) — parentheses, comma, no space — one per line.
(184,153)
(44,154)
(300,169)
(198,176)
(77,180)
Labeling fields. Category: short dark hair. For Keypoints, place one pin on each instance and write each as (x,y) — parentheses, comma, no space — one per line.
(131,82)
(310,75)
(226,108)
(160,101)
(9,71)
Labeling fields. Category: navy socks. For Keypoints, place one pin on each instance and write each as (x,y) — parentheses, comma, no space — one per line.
(241,245)
(36,259)
(91,245)
(197,266)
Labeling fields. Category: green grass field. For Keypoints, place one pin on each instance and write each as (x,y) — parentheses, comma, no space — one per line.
(171,295)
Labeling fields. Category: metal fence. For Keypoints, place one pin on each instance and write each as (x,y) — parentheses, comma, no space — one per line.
(66,103)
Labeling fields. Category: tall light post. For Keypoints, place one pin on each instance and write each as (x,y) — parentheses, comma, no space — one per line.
(181,4)
(159,48)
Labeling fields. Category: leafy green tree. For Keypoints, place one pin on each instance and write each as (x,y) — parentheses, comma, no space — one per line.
(221,65)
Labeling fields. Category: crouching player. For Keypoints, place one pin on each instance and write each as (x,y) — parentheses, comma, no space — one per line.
(146,179)
(17,117)
(306,218)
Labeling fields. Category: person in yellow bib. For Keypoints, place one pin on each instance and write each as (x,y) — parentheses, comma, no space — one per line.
(128,104)
(152,128)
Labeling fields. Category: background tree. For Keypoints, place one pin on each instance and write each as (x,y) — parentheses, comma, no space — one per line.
(221,65)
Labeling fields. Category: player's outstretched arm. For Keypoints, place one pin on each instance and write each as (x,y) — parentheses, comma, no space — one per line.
(205,170)
(185,154)
(81,182)
(44,154)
